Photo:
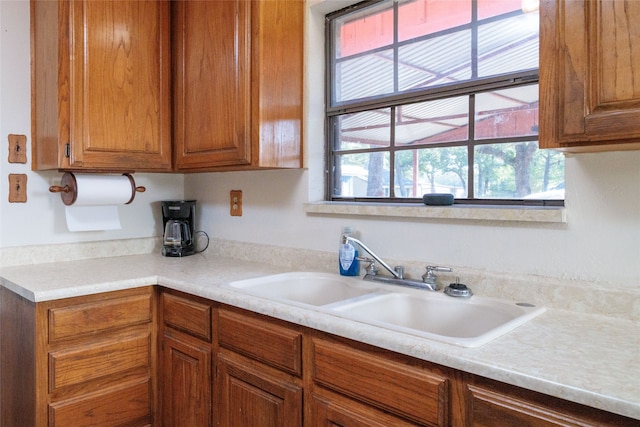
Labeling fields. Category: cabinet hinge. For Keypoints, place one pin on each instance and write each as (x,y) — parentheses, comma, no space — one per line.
(67,150)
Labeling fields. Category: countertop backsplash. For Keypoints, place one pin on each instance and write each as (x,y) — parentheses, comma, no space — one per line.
(617,301)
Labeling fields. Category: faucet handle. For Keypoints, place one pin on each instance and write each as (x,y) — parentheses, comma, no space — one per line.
(371,268)
(430,277)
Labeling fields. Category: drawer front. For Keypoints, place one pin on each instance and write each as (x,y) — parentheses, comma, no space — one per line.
(411,392)
(186,315)
(100,316)
(128,405)
(98,360)
(262,340)
(336,410)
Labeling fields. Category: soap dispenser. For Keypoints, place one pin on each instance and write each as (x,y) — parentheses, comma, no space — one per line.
(348,254)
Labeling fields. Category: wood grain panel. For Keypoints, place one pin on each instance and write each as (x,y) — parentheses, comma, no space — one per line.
(101,85)
(17,360)
(277,79)
(100,316)
(212,73)
(97,360)
(407,391)
(120,105)
(335,410)
(187,315)
(121,406)
(186,382)
(250,397)
(589,75)
(266,341)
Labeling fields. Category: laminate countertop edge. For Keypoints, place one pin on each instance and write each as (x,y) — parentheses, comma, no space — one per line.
(589,359)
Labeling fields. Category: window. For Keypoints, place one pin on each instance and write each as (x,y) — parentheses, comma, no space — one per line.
(427,96)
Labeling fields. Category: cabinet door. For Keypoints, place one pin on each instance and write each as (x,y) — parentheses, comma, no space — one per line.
(212,91)
(277,70)
(589,75)
(186,381)
(119,85)
(252,395)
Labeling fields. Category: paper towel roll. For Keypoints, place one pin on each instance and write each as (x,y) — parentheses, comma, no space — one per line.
(91,200)
(92,190)
(92,218)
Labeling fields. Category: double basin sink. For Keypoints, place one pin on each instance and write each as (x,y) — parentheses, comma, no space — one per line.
(465,322)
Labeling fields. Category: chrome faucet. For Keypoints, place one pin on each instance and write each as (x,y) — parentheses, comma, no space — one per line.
(346,239)
(428,279)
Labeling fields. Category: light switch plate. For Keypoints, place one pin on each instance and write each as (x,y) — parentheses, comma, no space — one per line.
(17,148)
(17,188)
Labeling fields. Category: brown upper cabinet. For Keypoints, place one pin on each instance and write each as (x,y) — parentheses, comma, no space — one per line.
(101,85)
(237,84)
(589,75)
(104,74)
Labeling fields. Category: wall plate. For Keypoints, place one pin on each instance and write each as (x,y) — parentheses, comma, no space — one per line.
(17,148)
(17,188)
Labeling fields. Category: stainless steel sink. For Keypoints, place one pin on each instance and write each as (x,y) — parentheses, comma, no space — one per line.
(433,315)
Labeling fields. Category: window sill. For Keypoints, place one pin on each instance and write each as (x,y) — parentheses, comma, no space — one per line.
(542,214)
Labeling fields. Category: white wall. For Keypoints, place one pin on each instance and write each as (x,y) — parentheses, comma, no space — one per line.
(41,220)
(600,242)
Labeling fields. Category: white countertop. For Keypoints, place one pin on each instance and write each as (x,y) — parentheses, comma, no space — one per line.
(589,359)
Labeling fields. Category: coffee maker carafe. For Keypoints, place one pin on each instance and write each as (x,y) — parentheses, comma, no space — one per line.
(178,224)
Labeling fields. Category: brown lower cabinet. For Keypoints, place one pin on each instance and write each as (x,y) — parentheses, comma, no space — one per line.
(185,361)
(273,373)
(85,361)
(95,361)
(258,371)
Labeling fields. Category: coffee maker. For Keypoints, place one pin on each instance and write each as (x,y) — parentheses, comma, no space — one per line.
(179,227)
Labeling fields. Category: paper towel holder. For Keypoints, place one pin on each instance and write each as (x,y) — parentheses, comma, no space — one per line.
(68,188)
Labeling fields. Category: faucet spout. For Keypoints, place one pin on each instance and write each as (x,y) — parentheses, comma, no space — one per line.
(346,239)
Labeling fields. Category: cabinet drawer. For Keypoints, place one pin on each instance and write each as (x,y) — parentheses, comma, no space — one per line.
(265,341)
(331,409)
(98,360)
(127,405)
(99,316)
(409,391)
(187,315)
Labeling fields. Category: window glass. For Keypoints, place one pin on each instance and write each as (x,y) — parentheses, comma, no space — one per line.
(362,175)
(508,45)
(368,129)
(431,122)
(507,112)
(437,96)
(364,76)
(435,61)
(517,171)
(364,30)
(420,18)
(431,170)
(489,8)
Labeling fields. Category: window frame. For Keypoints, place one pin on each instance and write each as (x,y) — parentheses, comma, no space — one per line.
(468,88)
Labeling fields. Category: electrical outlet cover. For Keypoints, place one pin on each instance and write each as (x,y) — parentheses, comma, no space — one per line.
(235,203)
